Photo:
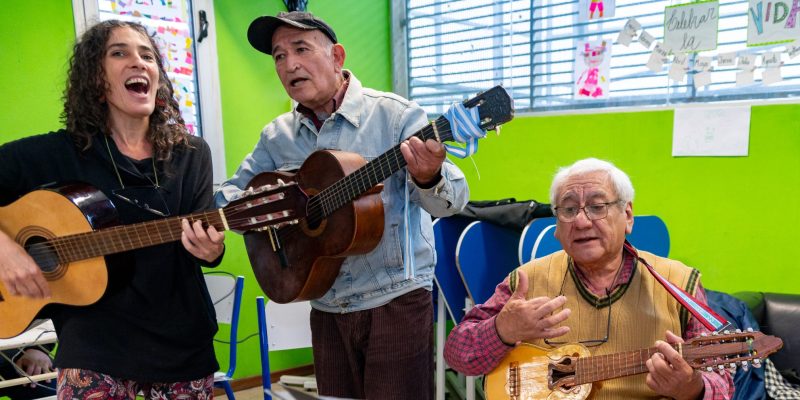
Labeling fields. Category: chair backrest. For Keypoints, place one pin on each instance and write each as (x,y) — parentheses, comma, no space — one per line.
(226,295)
(281,327)
(485,254)
(446,233)
(538,238)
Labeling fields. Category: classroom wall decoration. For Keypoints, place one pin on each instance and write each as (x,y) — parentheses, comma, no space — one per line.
(592,66)
(692,27)
(701,67)
(595,9)
(772,21)
(170,20)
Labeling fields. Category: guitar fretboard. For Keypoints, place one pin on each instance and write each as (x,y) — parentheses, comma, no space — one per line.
(117,239)
(609,366)
(378,170)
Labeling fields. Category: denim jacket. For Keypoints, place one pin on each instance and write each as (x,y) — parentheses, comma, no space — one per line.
(369,123)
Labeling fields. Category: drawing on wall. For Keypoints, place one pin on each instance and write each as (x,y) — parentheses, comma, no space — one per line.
(592,66)
(773,22)
(595,9)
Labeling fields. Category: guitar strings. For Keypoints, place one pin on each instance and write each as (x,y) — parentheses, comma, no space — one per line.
(330,199)
(337,194)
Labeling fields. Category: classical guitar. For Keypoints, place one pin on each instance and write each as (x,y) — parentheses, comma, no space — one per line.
(567,372)
(344,212)
(68,230)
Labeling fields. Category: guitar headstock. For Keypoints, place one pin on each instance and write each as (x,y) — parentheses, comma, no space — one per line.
(267,205)
(495,107)
(729,349)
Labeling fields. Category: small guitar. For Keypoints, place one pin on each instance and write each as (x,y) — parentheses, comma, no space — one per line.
(344,212)
(567,372)
(68,230)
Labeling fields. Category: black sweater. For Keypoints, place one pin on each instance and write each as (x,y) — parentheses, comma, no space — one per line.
(155,322)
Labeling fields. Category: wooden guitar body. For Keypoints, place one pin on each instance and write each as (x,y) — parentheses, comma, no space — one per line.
(567,372)
(532,364)
(311,252)
(45,214)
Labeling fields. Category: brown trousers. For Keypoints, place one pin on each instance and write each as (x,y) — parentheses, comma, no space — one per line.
(382,353)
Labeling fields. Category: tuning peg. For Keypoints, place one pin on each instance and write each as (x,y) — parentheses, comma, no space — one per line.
(721,367)
(710,369)
(704,334)
(281,182)
(756,363)
(294,222)
(745,365)
(749,329)
(738,330)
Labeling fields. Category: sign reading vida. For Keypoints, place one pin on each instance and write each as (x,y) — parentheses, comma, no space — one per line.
(690,28)
(772,21)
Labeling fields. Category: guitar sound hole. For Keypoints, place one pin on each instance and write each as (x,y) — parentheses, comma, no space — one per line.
(43,253)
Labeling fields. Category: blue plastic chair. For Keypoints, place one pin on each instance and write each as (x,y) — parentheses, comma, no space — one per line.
(226,294)
(446,233)
(485,254)
(538,238)
(294,332)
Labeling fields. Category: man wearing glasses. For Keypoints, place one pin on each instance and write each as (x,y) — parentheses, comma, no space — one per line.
(573,295)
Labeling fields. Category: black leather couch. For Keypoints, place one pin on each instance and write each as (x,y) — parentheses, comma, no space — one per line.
(778,315)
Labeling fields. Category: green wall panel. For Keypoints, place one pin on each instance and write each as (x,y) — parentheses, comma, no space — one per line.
(36,41)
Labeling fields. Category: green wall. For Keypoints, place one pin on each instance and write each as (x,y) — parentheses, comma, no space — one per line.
(721,214)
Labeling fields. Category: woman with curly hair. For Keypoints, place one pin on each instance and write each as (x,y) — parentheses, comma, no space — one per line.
(152,329)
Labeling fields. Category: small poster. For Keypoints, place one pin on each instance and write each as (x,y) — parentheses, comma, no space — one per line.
(770,22)
(692,27)
(592,66)
(595,9)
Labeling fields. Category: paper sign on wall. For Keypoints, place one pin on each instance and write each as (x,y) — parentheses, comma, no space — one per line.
(772,21)
(711,131)
(689,28)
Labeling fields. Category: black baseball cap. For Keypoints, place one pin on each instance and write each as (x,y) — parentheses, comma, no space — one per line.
(262,28)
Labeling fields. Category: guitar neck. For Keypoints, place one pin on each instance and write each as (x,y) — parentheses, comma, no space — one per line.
(378,170)
(610,366)
(122,238)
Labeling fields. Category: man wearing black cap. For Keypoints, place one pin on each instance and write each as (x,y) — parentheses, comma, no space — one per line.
(372,331)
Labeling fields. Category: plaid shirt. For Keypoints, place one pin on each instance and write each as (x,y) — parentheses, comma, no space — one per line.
(474,347)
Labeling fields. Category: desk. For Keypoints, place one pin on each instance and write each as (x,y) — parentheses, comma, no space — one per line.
(42,334)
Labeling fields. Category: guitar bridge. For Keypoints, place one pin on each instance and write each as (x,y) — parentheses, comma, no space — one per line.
(513,380)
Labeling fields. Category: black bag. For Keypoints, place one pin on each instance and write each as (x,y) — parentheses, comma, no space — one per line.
(508,213)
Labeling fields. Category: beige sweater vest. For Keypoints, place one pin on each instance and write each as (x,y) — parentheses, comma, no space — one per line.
(641,312)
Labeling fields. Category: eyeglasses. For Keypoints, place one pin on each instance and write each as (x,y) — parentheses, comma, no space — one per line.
(593,211)
(147,198)
(591,342)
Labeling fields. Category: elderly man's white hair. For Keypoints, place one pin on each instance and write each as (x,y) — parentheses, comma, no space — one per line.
(620,180)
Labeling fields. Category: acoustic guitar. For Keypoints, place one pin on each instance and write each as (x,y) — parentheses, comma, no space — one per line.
(344,211)
(567,372)
(68,230)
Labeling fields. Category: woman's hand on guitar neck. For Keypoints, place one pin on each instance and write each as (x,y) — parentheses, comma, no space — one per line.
(524,319)
(205,244)
(424,160)
(19,273)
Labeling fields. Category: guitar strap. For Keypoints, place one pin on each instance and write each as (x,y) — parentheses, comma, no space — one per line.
(466,128)
(702,312)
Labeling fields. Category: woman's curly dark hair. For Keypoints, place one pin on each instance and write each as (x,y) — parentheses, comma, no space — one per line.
(85,110)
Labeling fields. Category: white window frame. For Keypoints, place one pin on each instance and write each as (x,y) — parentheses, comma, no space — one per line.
(86,14)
